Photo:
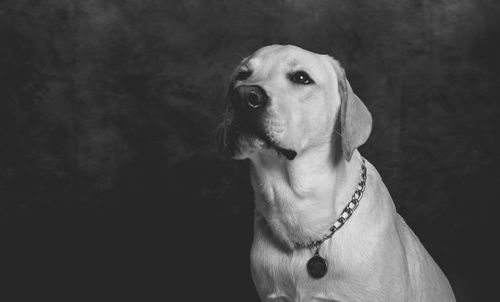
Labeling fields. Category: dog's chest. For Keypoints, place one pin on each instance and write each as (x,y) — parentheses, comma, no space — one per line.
(282,276)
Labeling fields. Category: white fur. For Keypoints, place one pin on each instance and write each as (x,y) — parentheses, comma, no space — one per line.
(375,256)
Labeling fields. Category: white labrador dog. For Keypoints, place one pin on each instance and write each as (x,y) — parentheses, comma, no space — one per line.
(293,114)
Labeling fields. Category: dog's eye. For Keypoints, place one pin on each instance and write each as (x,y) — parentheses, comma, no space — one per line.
(243,75)
(301,77)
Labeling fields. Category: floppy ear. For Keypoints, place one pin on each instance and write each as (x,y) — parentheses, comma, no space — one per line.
(225,143)
(355,119)
(222,130)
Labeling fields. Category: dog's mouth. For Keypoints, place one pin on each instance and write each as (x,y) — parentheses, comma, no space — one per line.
(287,153)
(243,135)
(236,141)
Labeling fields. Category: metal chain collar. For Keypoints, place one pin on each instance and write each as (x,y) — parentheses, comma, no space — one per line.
(346,212)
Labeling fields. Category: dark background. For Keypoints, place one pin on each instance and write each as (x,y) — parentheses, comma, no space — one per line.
(111,184)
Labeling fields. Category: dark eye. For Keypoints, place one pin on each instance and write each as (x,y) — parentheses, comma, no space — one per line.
(301,77)
(243,75)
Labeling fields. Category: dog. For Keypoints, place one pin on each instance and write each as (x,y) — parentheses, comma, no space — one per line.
(293,114)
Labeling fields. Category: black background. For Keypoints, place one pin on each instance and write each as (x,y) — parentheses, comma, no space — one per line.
(111,184)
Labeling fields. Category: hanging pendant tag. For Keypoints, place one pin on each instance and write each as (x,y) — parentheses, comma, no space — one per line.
(317,266)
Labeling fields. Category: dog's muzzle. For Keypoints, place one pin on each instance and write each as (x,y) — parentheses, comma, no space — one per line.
(249,104)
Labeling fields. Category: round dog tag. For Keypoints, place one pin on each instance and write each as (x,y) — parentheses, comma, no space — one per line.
(316,267)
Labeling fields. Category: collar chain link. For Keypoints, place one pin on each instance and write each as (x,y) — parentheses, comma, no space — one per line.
(346,212)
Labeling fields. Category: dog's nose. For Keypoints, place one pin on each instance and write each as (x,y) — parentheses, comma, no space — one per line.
(249,97)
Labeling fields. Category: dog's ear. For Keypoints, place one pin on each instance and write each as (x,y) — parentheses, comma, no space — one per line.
(222,130)
(355,119)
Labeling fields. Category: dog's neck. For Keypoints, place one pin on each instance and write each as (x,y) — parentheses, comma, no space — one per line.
(300,199)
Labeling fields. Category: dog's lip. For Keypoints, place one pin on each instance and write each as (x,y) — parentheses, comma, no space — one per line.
(289,154)
(259,133)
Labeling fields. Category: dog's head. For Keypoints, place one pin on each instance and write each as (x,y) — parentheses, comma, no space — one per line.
(287,100)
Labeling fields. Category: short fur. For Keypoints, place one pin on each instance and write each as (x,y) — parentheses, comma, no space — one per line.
(375,256)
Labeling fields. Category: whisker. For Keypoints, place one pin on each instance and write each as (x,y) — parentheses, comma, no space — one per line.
(221,130)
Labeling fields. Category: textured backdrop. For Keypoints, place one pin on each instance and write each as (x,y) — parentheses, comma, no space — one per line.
(109,175)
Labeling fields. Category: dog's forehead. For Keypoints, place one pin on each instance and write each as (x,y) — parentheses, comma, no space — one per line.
(286,56)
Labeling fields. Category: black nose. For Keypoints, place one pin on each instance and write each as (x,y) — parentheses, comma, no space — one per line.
(249,97)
